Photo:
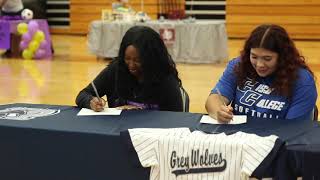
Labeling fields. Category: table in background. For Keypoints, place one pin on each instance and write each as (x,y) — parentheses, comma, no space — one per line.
(195,42)
(67,146)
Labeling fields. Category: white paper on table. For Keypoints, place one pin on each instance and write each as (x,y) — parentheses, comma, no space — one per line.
(106,111)
(237,119)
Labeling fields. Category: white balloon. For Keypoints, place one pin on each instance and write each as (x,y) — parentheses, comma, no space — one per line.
(27,14)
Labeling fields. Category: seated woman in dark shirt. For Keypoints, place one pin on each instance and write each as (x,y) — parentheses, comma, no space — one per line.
(143,76)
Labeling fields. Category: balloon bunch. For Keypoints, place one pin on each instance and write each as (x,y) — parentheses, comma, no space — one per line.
(33,42)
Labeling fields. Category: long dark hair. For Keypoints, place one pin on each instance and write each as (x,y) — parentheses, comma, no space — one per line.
(276,39)
(156,62)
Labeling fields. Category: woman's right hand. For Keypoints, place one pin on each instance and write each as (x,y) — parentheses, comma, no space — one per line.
(224,114)
(97,104)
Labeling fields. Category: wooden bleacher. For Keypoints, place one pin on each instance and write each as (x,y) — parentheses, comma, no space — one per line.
(300,17)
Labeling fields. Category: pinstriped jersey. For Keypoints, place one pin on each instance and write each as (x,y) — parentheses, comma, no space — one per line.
(180,154)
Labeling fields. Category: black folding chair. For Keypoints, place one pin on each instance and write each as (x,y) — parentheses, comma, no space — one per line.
(185,99)
(315,113)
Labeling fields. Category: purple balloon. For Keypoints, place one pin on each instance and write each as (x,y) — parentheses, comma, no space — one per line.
(40,53)
(27,37)
(43,44)
(23,44)
(33,27)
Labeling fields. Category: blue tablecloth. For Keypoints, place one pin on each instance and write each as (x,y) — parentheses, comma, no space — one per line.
(67,146)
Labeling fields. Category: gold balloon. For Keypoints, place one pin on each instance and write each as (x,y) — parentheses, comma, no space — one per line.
(27,54)
(22,28)
(38,36)
(33,45)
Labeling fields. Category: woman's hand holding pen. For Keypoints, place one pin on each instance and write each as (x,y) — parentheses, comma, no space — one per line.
(97,104)
(224,113)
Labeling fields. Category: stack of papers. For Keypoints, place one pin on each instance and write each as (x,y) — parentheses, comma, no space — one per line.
(106,111)
(237,119)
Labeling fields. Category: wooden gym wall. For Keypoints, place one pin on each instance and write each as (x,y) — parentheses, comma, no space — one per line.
(82,12)
(301,18)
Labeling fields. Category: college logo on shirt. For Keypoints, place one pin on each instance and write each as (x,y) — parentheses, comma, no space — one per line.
(250,97)
(197,163)
(248,85)
(24,113)
(255,94)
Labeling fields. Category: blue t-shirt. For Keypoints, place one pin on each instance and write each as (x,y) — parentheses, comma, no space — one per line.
(257,100)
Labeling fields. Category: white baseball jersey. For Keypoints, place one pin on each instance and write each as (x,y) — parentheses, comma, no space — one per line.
(179,154)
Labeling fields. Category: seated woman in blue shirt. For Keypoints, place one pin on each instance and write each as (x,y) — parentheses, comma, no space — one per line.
(270,79)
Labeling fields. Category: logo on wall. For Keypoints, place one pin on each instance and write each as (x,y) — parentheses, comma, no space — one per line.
(168,35)
(24,113)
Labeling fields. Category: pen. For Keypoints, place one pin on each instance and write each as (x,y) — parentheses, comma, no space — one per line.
(95,90)
(220,97)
